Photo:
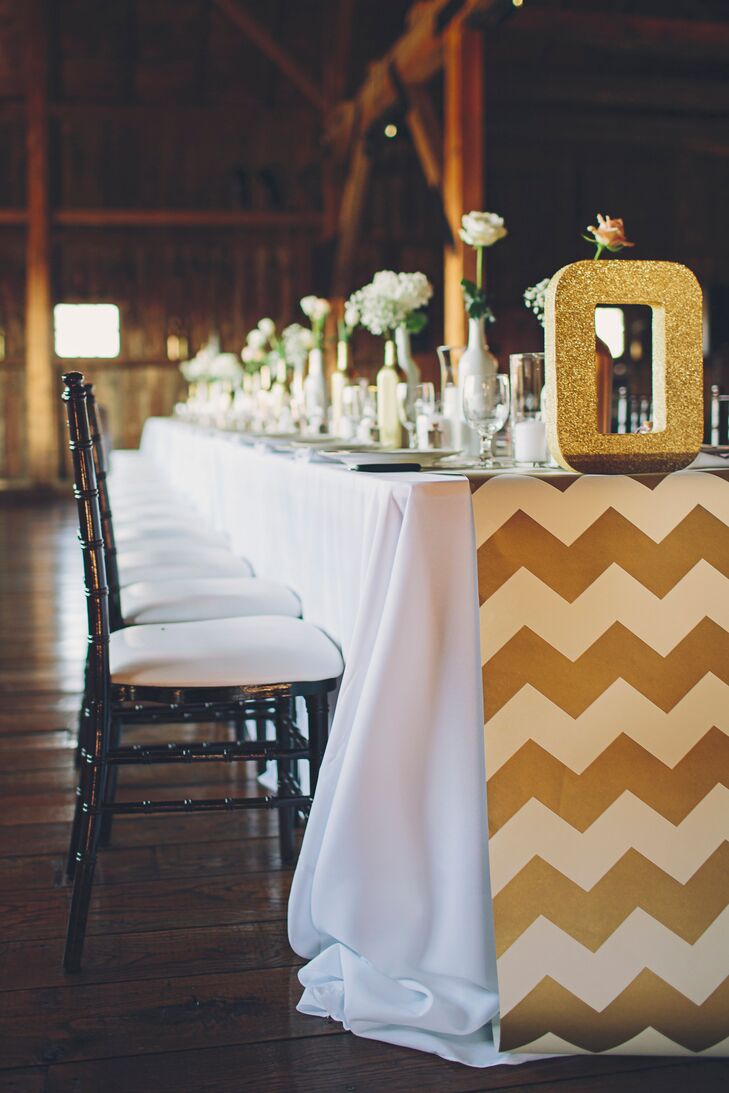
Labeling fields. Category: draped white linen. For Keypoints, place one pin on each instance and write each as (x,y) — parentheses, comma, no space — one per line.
(390,899)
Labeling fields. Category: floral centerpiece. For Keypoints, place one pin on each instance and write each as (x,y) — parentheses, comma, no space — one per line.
(392,306)
(478,230)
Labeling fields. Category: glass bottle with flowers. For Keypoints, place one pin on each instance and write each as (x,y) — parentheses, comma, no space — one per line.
(389,302)
(478,230)
(608,235)
(340,376)
(316,310)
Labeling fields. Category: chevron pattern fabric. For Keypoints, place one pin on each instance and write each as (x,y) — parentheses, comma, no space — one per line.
(604,608)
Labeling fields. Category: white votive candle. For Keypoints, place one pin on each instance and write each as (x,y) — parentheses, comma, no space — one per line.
(530,441)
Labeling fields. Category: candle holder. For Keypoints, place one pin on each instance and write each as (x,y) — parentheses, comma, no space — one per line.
(528,430)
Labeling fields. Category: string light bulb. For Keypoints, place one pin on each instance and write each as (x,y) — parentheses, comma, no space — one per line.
(390,130)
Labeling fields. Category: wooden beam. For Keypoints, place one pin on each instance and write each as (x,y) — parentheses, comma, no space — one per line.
(426,131)
(12,217)
(640,34)
(41,388)
(463,162)
(239,14)
(350,215)
(186,218)
(416,57)
(516,81)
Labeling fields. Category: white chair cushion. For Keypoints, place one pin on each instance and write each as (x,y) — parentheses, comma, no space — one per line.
(207,598)
(163,529)
(142,569)
(177,546)
(223,653)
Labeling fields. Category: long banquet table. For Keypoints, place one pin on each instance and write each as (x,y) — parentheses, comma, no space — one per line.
(593,615)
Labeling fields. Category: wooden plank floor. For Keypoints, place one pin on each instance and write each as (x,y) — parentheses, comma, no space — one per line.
(189,983)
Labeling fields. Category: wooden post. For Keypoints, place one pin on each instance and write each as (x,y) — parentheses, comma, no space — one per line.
(40,387)
(463,161)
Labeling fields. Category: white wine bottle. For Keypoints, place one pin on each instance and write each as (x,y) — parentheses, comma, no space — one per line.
(387,419)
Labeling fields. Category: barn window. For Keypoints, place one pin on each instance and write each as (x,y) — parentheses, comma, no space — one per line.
(86,330)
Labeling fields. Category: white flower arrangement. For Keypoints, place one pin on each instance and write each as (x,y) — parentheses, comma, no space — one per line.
(534,298)
(296,341)
(389,301)
(210,364)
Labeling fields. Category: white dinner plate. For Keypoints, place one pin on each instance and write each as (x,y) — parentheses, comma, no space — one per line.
(426,457)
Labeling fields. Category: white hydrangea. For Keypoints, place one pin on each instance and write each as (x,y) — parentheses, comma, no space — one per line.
(387,301)
(296,341)
(226,367)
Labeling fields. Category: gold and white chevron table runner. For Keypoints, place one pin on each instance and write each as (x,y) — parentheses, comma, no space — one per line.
(604,606)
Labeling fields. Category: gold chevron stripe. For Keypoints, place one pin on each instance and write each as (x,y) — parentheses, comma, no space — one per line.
(611,539)
(591,917)
(617,654)
(648,1002)
(624,765)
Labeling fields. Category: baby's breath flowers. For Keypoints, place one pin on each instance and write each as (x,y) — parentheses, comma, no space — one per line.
(479,230)
(534,298)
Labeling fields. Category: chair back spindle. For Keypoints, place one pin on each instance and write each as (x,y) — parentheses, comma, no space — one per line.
(86,494)
(107,523)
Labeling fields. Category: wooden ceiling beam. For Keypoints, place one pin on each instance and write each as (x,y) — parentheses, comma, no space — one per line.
(186,218)
(426,132)
(640,95)
(646,35)
(351,211)
(256,33)
(416,57)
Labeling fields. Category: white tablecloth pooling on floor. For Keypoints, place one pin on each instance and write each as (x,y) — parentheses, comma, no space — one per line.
(390,899)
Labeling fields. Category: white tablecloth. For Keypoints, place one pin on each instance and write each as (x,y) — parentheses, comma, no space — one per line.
(390,899)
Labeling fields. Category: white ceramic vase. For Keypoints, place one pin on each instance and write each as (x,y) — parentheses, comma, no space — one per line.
(476,360)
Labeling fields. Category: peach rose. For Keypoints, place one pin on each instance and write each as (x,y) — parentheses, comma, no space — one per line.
(609,233)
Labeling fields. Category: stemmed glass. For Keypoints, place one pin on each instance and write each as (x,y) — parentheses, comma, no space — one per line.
(486,408)
(406,412)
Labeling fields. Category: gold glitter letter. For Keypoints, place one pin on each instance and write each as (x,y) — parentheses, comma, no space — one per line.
(674,294)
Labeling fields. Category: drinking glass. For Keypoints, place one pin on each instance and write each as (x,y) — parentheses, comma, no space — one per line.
(406,412)
(528,430)
(486,408)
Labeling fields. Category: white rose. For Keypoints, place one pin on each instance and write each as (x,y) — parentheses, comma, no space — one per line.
(481,229)
(307,304)
(267,327)
(320,310)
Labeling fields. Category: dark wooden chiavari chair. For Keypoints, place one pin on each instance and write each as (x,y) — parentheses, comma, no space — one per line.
(135,685)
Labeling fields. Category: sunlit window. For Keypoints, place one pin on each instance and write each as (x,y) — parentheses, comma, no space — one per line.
(610,326)
(86,330)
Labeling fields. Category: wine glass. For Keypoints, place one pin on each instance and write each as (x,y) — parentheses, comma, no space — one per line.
(486,408)
(406,412)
